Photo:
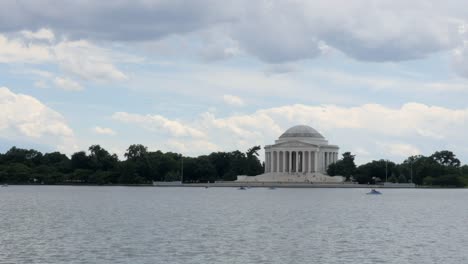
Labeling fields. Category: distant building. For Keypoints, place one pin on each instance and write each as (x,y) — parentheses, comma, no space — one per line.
(301,154)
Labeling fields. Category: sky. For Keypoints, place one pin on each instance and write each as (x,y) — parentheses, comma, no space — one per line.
(382,79)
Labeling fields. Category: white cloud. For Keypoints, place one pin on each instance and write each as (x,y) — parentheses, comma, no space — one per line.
(400,149)
(41,84)
(87,61)
(104,131)
(157,122)
(41,34)
(191,147)
(67,84)
(80,58)
(23,117)
(19,51)
(411,129)
(274,31)
(233,100)
(281,68)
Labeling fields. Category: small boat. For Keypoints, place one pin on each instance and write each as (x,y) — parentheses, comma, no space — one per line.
(271,188)
(5,185)
(374,191)
(242,188)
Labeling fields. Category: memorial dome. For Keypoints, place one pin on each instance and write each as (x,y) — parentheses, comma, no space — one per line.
(301,131)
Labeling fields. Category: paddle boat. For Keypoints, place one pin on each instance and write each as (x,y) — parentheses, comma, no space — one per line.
(374,191)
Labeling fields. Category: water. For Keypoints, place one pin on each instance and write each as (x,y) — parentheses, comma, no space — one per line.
(64,224)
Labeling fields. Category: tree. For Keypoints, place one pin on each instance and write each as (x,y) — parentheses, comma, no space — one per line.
(253,165)
(136,151)
(101,159)
(28,157)
(446,158)
(344,167)
(375,170)
(79,160)
(253,151)
(58,160)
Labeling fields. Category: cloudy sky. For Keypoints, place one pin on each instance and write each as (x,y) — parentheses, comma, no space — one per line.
(382,79)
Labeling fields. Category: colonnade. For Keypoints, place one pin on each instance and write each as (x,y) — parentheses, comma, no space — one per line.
(299,161)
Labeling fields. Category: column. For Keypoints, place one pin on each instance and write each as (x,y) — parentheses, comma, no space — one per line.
(325,156)
(284,161)
(280,161)
(297,161)
(271,161)
(314,161)
(289,161)
(274,161)
(276,165)
(310,161)
(268,165)
(266,162)
(302,161)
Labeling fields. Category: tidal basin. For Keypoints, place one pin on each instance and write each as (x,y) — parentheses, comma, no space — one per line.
(67,224)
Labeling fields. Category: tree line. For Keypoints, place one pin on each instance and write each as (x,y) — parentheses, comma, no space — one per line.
(140,166)
(442,168)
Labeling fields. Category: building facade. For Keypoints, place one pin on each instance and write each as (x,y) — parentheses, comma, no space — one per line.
(301,154)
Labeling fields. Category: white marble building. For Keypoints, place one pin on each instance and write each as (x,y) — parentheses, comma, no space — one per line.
(301,154)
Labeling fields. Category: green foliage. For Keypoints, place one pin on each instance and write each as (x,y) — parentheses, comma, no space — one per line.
(449,180)
(343,167)
(23,166)
(446,158)
(377,170)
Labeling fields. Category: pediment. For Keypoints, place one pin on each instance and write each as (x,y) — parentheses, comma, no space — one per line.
(293,144)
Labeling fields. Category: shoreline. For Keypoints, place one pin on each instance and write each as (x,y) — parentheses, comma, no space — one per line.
(246,184)
(274,184)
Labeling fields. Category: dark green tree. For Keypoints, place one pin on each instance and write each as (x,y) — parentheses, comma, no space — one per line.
(343,167)
(446,158)
(136,151)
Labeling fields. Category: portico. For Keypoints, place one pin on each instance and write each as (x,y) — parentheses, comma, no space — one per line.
(300,154)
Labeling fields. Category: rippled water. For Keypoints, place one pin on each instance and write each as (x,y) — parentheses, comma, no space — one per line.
(63,224)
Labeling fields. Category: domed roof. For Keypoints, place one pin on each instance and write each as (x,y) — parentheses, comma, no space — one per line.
(301,131)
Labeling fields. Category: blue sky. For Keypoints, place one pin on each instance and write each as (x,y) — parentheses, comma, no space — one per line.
(382,79)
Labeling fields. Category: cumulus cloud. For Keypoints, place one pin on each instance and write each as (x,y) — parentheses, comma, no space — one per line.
(157,123)
(42,34)
(282,68)
(25,118)
(86,61)
(80,58)
(400,149)
(17,50)
(67,84)
(104,131)
(275,31)
(373,131)
(233,100)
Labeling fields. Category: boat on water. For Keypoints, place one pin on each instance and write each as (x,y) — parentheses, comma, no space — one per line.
(242,188)
(271,188)
(374,191)
(5,185)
